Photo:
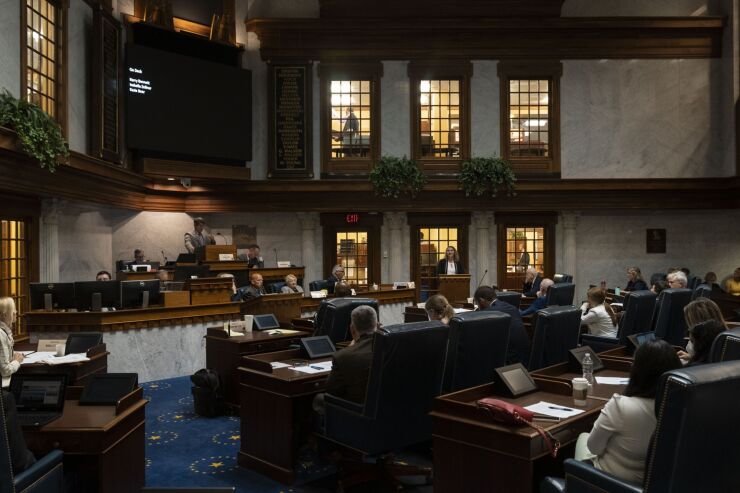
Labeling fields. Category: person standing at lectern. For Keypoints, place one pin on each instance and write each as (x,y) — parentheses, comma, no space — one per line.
(451,263)
(198,237)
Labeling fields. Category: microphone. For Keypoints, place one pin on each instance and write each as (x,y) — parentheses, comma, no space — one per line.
(164,257)
(276,256)
(481,279)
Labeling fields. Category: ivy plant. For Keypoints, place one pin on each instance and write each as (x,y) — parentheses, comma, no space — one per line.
(486,175)
(395,176)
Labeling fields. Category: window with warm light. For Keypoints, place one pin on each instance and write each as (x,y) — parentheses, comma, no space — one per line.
(350,126)
(530,127)
(352,254)
(42,54)
(14,266)
(433,243)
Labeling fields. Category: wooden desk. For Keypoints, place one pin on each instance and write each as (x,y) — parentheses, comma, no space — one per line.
(384,297)
(473,453)
(276,411)
(77,373)
(612,368)
(124,275)
(285,307)
(104,452)
(224,354)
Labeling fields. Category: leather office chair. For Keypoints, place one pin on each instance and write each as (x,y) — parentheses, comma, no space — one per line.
(561,294)
(693,282)
(701,292)
(726,347)
(561,278)
(275,287)
(638,314)
(511,297)
(333,317)
(669,321)
(658,276)
(555,333)
(405,376)
(478,345)
(318,285)
(44,476)
(687,405)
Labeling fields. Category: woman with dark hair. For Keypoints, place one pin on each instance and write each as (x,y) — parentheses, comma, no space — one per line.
(451,263)
(701,337)
(618,442)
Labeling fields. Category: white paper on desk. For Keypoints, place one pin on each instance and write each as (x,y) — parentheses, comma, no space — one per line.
(70,358)
(37,357)
(277,364)
(314,367)
(275,332)
(554,410)
(613,380)
(462,310)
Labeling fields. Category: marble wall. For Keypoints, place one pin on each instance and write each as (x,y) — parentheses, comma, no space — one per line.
(79,39)
(10,46)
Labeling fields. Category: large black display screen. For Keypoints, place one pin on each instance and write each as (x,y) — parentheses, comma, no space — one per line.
(186,106)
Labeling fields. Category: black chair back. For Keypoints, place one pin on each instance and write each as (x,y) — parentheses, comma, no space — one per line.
(555,333)
(6,462)
(692,282)
(513,298)
(334,316)
(561,294)
(561,278)
(669,321)
(726,347)
(478,345)
(702,291)
(638,313)
(658,276)
(275,287)
(695,407)
(318,285)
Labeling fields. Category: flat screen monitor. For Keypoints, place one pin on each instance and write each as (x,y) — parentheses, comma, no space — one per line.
(638,340)
(80,342)
(318,347)
(132,293)
(515,379)
(184,272)
(266,322)
(110,292)
(62,295)
(38,392)
(108,388)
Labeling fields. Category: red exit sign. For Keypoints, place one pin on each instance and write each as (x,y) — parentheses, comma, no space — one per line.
(352,218)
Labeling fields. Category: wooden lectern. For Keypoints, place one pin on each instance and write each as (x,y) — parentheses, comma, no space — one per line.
(454,287)
(211,253)
(285,307)
(209,290)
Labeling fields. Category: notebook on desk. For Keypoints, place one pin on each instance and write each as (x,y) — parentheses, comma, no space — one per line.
(39,399)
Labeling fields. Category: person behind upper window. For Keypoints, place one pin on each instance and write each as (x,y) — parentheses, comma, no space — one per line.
(732,285)
(451,263)
(291,285)
(597,315)
(541,301)
(519,344)
(618,443)
(635,282)
(697,313)
(523,262)
(438,308)
(10,361)
(103,275)
(532,281)
(198,237)
(677,279)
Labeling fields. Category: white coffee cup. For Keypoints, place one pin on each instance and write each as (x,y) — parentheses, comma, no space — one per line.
(580,391)
(60,349)
(249,320)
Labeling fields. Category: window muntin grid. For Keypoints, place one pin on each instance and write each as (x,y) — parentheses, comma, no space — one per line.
(352,254)
(14,266)
(433,243)
(439,118)
(529,117)
(42,55)
(350,115)
(533,240)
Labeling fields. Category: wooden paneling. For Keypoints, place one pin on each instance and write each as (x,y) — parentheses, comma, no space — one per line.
(476,38)
(440,8)
(170,168)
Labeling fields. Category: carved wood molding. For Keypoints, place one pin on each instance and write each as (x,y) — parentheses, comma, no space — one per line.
(489,38)
(386,297)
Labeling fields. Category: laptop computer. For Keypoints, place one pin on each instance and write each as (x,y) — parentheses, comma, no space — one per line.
(39,399)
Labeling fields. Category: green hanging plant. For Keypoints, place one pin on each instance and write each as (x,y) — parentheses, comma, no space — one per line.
(486,174)
(39,135)
(394,176)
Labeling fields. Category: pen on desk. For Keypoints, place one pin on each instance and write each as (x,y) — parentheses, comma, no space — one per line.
(317,367)
(559,408)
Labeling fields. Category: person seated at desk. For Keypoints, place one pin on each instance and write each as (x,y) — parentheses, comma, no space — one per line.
(139,256)
(291,285)
(618,443)
(658,286)
(519,344)
(732,286)
(451,263)
(9,361)
(438,308)
(597,315)
(635,282)
(103,275)
(677,279)
(710,282)
(337,275)
(698,313)
(20,457)
(342,290)
(198,237)
(532,281)
(254,261)
(254,290)
(541,301)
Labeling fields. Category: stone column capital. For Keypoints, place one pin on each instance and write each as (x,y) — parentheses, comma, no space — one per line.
(482,220)
(394,220)
(309,220)
(570,219)
(50,210)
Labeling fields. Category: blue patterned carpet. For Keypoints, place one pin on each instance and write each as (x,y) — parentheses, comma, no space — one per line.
(186,450)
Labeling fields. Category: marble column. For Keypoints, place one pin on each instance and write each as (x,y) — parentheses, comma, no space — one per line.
(395,222)
(482,222)
(310,253)
(570,224)
(49,244)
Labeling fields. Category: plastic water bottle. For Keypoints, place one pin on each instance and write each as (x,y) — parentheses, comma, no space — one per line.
(588,370)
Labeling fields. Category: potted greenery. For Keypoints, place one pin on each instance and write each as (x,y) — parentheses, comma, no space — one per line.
(394,176)
(38,134)
(486,174)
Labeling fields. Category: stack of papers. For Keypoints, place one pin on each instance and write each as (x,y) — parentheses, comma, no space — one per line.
(37,357)
(553,410)
(50,358)
(314,367)
(613,380)
(279,364)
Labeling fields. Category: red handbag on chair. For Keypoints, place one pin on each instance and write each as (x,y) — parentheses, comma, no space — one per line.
(511,414)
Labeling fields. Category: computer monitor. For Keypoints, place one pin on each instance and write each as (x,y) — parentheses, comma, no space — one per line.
(132,293)
(184,272)
(110,293)
(333,317)
(80,342)
(266,322)
(106,389)
(62,295)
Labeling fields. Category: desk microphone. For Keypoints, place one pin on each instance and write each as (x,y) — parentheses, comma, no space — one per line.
(164,256)
(276,256)
(481,279)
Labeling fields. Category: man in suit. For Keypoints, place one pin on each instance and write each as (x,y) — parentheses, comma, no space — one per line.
(337,276)
(532,282)
(519,345)
(541,301)
(21,457)
(198,237)
(253,257)
(254,290)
